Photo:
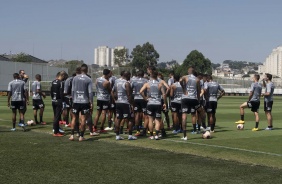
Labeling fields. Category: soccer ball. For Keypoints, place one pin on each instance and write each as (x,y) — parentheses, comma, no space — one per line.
(240,126)
(30,122)
(206,135)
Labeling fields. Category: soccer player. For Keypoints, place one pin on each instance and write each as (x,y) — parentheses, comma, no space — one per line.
(268,99)
(211,90)
(24,77)
(68,99)
(191,100)
(154,104)
(37,101)
(112,108)
(253,102)
(124,103)
(82,94)
(202,79)
(16,93)
(103,87)
(176,93)
(57,96)
(139,102)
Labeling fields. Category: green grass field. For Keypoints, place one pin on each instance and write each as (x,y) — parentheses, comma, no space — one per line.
(231,156)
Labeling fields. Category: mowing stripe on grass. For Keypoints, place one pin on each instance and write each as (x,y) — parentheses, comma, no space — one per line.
(225,147)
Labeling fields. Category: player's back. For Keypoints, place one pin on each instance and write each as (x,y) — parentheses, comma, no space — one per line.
(102,92)
(154,92)
(137,85)
(17,89)
(81,88)
(34,87)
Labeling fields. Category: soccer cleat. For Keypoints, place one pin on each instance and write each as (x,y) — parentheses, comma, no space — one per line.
(152,137)
(240,122)
(62,122)
(157,137)
(148,132)
(109,128)
(94,134)
(268,128)
(119,138)
(208,129)
(58,135)
(68,125)
(184,138)
(212,131)
(160,135)
(13,129)
(137,133)
(131,137)
(81,139)
(71,138)
(21,125)
(175,132)
(194,132)
(43,123)
(102,131)
(255,129)
(61,131)
(77,135)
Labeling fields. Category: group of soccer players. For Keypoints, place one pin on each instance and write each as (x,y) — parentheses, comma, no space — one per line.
(136,101)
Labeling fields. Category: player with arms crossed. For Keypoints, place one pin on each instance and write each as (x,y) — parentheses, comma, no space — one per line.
(268,99)
(37,101)
(82,94)
(103,87)
(176,93)
(139,102)
(253,102)
(16,93)
(124,103)
(154,104)
(191,100)
(211,92)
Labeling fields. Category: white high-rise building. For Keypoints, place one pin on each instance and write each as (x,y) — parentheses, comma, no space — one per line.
(113,55)
(273,63)
(102,56)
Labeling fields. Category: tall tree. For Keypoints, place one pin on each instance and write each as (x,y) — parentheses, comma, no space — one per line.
(72,65)
(120,56)
(22,57)
(144,55)
(196,59)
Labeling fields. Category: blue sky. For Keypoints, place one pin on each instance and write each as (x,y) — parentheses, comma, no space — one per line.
(220,29)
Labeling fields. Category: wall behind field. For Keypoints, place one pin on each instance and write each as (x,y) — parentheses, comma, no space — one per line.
(8,68)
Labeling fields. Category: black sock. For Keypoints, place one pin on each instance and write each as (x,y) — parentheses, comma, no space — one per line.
(130,131)
(14,125)
(121,129)
(212,127)
(151,133)
(204,125)
(35,119)
(72,131)
(176,127)
(199,127)
(22,121)
(137,128)
(81,133)
(157,132)
(257,124)
(144,131)
(194,128)
(41,117)
(184,133)
(109,123)
(242,117)
(90,127)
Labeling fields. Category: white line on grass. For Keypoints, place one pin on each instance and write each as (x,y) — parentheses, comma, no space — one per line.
(225,147)
(212,145)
